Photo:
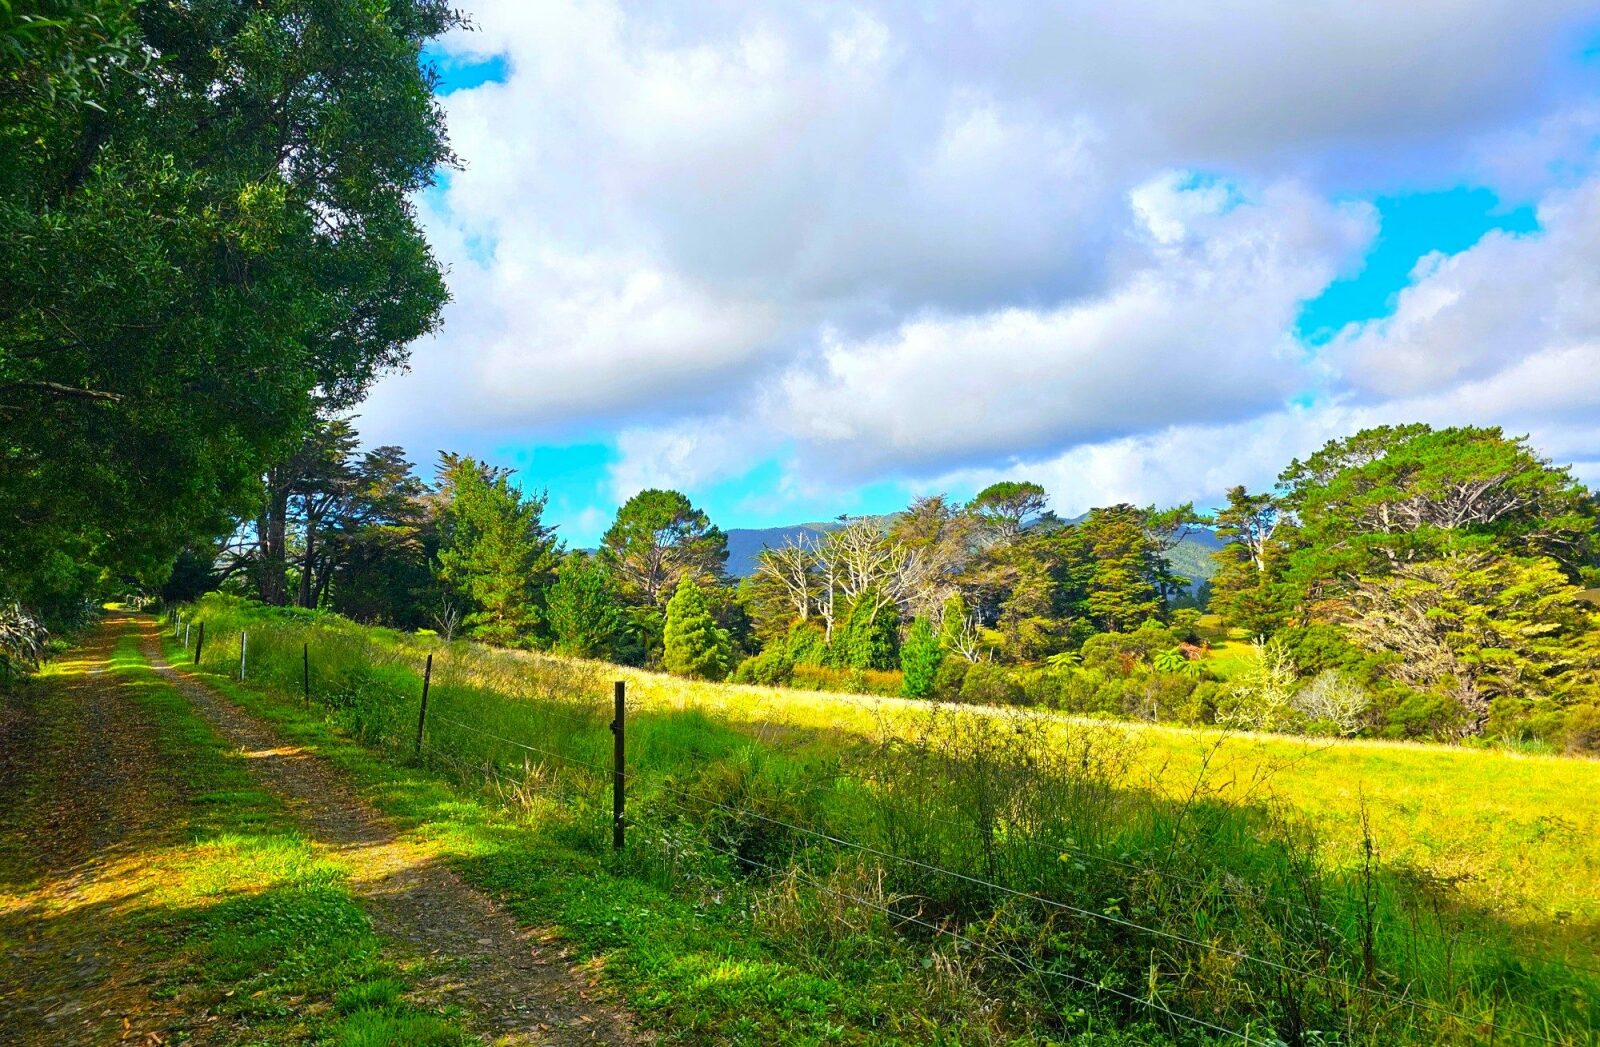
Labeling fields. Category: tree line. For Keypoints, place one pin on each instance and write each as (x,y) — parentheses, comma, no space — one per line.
(1403,582)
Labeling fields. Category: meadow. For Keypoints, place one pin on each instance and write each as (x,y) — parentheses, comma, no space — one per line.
(1027,875)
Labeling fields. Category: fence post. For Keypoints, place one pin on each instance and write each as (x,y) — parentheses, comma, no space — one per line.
(422,714)
(243,640)
(199,642)
(618,754)
(186,626)
(305,670)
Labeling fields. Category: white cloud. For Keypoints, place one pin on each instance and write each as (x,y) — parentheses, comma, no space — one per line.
(1472,315)
(908,240)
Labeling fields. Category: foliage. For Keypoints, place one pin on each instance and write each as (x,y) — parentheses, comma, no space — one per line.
(584,611)
(694,645)
(1333,702)
(1262,697)
(22,637)
(920,657)
(870,638)
(986,683)
(1474,627)
(206,238)
(496,552)
(657,540)
(1010,507)
(771,668)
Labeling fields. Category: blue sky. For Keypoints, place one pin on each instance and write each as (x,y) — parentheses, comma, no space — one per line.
(800,262)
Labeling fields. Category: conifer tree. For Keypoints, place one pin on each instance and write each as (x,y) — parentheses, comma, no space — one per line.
(920,658)
(694,645)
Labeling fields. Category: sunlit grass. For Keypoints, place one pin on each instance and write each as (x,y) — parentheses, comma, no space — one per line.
(1486,864)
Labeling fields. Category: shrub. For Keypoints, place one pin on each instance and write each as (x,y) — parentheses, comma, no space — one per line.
(806,645)
(989,684)
(1583,730)
(1262,694)
(1420,715)
(948,680)
(22,637)
(871,635)
(1334,702)
(771,668)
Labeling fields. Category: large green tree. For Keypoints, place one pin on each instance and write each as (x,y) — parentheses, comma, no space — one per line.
(1482,629)
(658,539)
(206,239)
(496,552)
(584,610)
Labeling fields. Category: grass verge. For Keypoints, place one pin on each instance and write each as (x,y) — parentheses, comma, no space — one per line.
(238,929)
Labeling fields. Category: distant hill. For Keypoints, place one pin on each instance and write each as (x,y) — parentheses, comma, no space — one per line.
(1191,557)
(745,543)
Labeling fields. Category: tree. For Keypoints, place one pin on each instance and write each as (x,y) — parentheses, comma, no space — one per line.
(657,540)
(1478,627)
(378,543)
(206,240)
(1010,507)
(1245,588)
(584,611)
(694,645)
(496,552)
(920,658)
(1110,567)
(1391,495)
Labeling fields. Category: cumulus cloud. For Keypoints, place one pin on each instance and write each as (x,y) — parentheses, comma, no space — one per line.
(920,240)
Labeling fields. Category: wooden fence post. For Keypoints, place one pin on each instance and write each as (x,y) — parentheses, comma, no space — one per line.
(244,638)
(618,756)
(422,714)
(305,670)
(199,642)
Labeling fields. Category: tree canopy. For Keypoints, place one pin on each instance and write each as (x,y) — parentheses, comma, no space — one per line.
(207,241)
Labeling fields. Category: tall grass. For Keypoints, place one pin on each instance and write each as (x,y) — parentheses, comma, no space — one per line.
(1031,867)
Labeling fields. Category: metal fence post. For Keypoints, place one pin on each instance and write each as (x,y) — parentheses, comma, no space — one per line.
(199,642)
(244,639)
(422,714)
(618,755)
(305,670)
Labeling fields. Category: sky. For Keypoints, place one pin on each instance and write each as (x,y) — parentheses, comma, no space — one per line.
(799,260)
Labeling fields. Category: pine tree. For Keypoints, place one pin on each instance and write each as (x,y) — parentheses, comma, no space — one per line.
(695,646)
(584,612)
(496,552)
(920,658)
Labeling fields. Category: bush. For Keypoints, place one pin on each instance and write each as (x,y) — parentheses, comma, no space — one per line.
(989,684)
(1420,715)
(847,681)
(948,680)
(806,645)
(771,668)
(1583,730)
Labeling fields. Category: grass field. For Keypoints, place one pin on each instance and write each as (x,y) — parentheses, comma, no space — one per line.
(1304,891)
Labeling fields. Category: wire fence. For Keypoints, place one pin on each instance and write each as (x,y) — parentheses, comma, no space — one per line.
(690,804)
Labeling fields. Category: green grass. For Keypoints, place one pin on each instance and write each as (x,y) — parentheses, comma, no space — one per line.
(245,931)
(722,922)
